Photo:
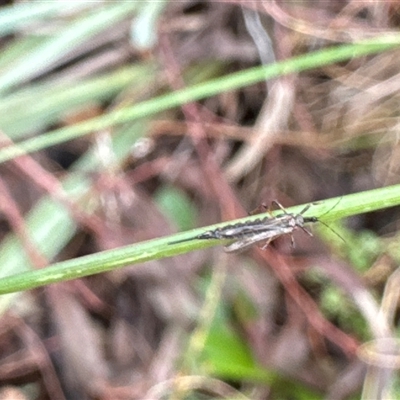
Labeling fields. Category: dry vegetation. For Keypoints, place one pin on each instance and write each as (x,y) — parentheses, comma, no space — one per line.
(284,323)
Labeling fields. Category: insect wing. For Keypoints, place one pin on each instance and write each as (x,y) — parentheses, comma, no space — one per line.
(265,225)
(240,230)
(240,245)
(243,244)
(260,226)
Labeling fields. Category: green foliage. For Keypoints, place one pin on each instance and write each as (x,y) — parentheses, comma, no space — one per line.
(361,248)
(176,205)
(227,356)
(340,309)
(50,224)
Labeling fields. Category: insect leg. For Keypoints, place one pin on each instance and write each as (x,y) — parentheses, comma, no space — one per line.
(305,209)
(306,230)
(260,209)
(239,246)
(276,202)
(265,245)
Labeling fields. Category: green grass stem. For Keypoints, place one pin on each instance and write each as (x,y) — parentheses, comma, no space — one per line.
(329,210)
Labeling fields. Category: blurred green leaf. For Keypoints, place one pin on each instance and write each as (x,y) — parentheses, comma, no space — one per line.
(52,48)
(18,15)
(227,356)
(177,206)
(144,32)
(50,101)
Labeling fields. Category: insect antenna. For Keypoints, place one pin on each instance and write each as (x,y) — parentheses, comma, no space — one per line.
(332,230)
(312,219)
(317,219)
(326,212)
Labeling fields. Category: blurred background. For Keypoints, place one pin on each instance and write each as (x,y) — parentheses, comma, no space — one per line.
(280,324)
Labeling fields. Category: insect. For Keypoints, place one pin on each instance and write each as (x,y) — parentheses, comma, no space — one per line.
(266,230)
(246,234)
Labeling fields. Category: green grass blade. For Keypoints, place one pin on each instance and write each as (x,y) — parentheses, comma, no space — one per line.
(201,91)
(160,248)
(58,99)
(54,47)
(17,15)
